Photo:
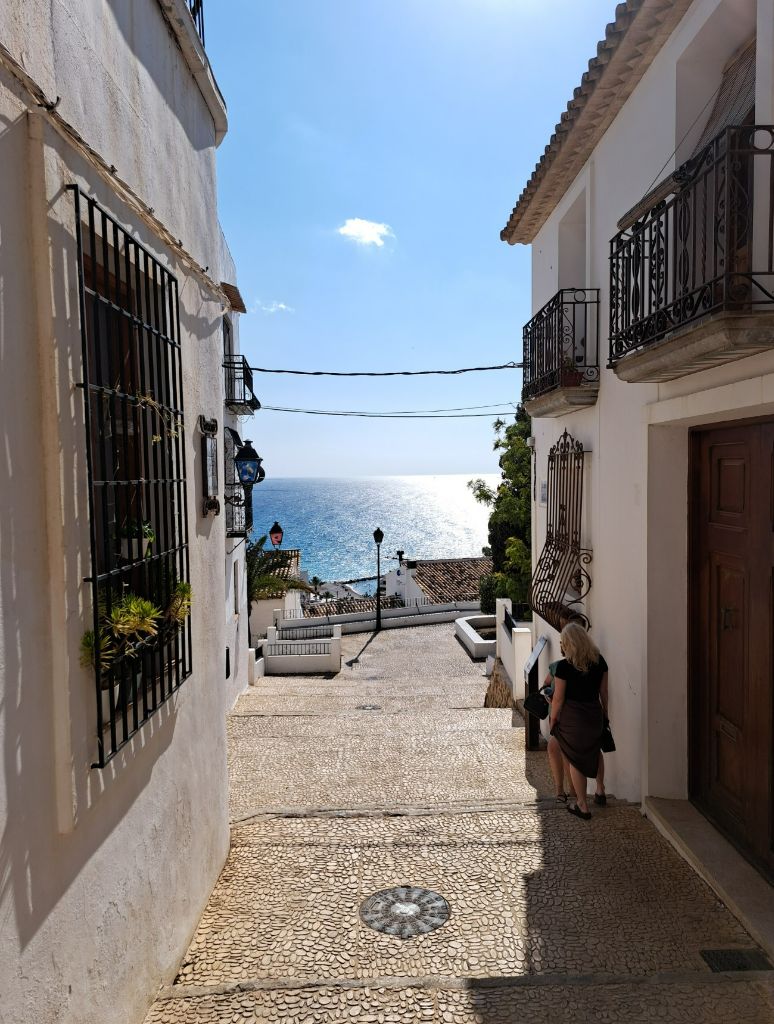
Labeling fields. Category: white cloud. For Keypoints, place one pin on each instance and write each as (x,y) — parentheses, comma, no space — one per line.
(272,307)
(365,232)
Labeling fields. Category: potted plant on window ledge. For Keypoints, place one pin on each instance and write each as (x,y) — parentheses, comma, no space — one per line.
(136,536)
(571,373)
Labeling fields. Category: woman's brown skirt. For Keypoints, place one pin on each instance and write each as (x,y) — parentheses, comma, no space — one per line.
(579,732)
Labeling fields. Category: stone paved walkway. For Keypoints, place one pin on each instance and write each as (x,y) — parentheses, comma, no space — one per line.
(393,774)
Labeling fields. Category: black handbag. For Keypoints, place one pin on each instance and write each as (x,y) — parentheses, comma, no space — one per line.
(537,705)
(607,743)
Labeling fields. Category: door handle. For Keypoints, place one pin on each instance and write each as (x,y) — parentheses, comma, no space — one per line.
(727,618)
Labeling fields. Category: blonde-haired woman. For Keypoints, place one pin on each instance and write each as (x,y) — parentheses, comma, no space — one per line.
(578,713)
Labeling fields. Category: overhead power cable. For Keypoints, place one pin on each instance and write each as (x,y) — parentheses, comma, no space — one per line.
(388,373)
(387,415)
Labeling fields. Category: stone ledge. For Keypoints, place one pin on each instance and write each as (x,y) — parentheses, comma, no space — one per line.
(563,400)
(746,893)
(721,338)
(180,21)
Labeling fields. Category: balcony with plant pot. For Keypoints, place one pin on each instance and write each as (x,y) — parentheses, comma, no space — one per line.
(561,362)
(692,268)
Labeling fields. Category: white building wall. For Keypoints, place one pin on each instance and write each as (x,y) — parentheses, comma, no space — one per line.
(104,872)
(635,493)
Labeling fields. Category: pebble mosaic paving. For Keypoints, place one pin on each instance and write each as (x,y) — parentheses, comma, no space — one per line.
(550,919)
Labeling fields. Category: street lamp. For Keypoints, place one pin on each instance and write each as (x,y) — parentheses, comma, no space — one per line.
(248,465)
(378,537)
(275,535)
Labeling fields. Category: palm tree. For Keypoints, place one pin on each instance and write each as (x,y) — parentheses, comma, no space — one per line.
(316,583)
(268,574)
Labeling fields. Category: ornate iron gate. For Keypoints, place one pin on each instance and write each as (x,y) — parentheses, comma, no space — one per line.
(560,581)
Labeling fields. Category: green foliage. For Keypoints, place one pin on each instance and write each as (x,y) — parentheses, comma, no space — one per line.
(509,521)
(132,622)
(268,572)
(138,528)
(134,618)
(179,606)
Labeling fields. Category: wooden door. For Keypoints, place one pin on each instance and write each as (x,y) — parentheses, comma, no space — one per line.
(732,562)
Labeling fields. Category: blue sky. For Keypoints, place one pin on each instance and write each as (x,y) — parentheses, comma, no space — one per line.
(424,116)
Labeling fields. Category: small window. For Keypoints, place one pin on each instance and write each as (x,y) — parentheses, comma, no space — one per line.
(140,641)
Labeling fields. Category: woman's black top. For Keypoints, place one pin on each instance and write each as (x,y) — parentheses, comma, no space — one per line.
(581,686)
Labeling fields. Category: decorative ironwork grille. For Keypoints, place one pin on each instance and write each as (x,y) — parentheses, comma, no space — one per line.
(196,7)
(140,644)
(237,498)
(240,397)
(560,581)
(561,343)
(695,253)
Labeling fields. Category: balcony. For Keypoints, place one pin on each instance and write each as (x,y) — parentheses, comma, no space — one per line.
(561,354)
(238,501)
(196,7)
(240,398)
(692,281)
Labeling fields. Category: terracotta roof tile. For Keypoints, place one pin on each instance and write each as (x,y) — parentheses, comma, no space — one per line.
(640,29)
(451,579)
(345,605)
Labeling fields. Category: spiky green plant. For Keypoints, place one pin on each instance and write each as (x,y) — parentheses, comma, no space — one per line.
(179,606)
(134,618)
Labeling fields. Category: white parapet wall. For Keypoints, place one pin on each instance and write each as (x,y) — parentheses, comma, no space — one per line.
(514,645)
(392,618)
(301,657)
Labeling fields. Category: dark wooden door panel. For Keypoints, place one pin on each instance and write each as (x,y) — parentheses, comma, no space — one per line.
(732,574)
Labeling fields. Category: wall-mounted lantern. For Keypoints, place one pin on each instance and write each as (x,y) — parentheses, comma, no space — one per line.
(248,465)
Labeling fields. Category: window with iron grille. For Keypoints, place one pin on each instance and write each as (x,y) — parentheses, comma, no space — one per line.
(140,642)
(237,498)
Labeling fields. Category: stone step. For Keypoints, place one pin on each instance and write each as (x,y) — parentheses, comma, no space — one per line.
(683,998)
(368,719)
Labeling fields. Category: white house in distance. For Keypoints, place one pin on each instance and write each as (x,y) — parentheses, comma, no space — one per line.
(651,221)
(117,305)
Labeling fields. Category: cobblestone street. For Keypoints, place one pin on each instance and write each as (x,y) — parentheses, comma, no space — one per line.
(392,774)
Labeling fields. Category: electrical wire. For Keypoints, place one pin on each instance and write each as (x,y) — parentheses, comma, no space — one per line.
(387,415)
(388,373)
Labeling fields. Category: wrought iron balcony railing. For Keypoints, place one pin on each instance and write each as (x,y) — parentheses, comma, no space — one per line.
(240,398)
(196,7)
(561,343)
(706,249)
(238,501)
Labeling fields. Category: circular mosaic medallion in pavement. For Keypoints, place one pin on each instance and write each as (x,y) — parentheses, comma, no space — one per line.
(369,707)
(405,911)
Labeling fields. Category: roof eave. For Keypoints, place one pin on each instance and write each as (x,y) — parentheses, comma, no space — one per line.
(631,42)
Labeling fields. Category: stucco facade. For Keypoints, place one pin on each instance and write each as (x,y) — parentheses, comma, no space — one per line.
(637,435)
(104,872)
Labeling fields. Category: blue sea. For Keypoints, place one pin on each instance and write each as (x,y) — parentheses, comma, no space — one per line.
(332,520)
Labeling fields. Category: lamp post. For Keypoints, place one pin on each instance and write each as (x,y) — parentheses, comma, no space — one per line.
(275,535)
(378,537)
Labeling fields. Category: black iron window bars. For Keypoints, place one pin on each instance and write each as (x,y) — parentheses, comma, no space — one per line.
(561,343)
(237,498)
(196,7)
(140,641)
(240,397)
(707,248)
(560,581)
